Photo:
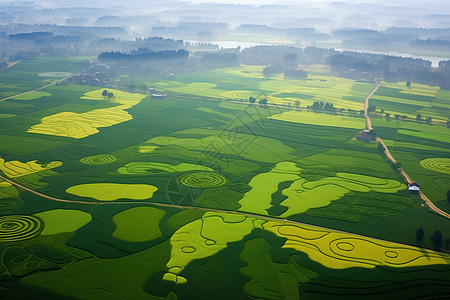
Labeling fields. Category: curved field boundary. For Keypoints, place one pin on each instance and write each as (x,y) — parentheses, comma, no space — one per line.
(238,213)
(405,175)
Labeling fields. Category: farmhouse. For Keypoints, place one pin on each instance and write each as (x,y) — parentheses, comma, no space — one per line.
(159,96)
(413,187)
(364,136)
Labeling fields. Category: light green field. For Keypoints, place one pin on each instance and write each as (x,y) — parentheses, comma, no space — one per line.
(240,83)
(312,118)
(429,101)
(258,199)
(6,116)
(246,145)
(63,220)
(440,165)
(113,191)
(303,195)
(154,167)
(138,224)
(32,95)
(55,74)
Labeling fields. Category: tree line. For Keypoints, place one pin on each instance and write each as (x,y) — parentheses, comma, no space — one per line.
(158,55)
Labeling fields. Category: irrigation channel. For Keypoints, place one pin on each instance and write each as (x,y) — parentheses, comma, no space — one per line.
(405,175)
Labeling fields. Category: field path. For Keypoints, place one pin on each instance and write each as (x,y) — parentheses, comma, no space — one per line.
(241,213)
(39,88)
(13,64)
(405,175)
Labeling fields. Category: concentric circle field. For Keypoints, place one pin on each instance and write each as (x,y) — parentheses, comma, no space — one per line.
(101,159)
(19,227)
(203,180)
(438,164)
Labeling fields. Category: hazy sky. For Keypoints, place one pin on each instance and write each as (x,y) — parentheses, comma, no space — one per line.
(373,14)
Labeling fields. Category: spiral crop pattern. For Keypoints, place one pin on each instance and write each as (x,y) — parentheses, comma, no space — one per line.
(101,159)
(203,180)
(440,165)
(19,227)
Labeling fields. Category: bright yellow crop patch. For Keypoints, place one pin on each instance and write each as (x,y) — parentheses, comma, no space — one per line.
(147,149)
(75,125)
(4,184)
(113,191)
(336,250)
(15,168)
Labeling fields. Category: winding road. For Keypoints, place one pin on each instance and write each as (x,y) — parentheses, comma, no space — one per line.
(405,175)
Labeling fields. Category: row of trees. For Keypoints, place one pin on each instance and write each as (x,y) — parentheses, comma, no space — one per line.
(262,101)
(436,239)
(158,55)
(427,119)
(320,105)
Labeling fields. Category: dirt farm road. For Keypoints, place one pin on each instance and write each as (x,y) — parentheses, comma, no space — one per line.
(241,213)
(37,89)
(405,175)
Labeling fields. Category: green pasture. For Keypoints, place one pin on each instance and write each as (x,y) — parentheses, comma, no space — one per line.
(25,76)
(137,215)
(429,101)
(240,83)
(422,150)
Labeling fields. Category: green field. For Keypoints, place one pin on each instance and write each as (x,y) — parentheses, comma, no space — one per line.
(423,151)
(429,101)
(198,197)
(245,81)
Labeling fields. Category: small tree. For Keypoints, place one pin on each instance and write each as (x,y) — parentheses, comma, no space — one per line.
(436,239)
(297,103)
(428,120)
(110,95)
(105,93)
(388,115)
(419,235)
(408,84)
(419,117)
(381,148)
(263,101)
(251,99)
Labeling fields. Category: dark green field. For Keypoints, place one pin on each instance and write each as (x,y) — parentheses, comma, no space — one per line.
(193,198)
